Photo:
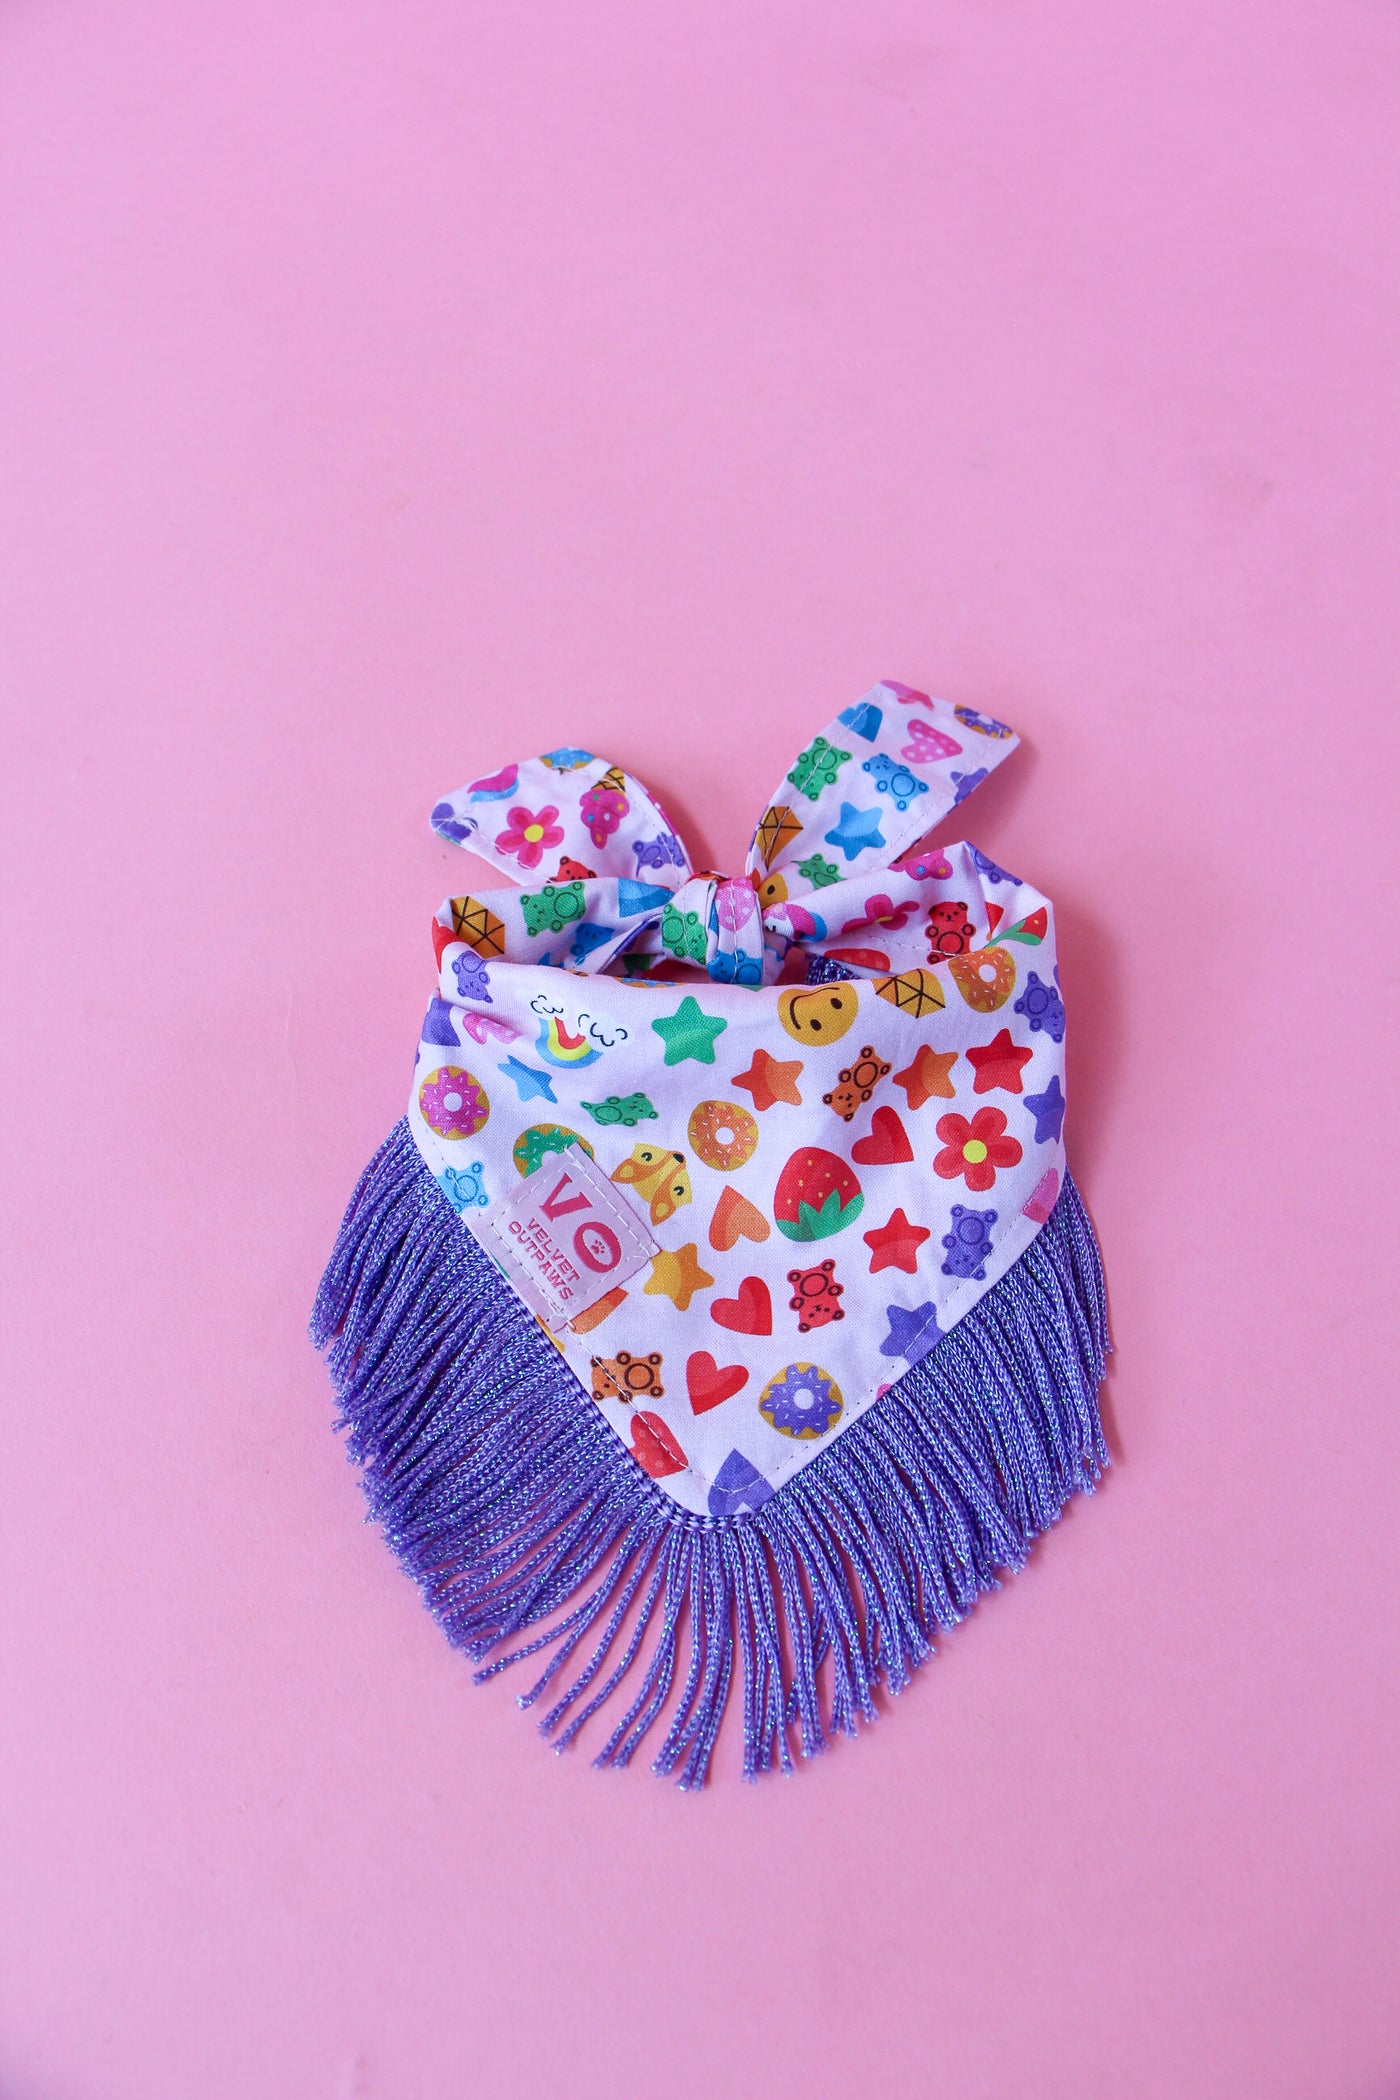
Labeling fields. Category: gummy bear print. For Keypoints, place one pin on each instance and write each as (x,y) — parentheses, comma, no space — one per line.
(627,1109)
(662,852)
(950,930)
(856,1084)
(628,1377)
(817,768)
(1043,1008)
(682,935)
(969,1243)
(816,1296)
(553,908)
(473,981)
(805,1211)
(465,1188)
(894,780)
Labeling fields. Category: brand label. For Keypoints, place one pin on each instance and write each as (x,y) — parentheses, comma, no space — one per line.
(567,1237)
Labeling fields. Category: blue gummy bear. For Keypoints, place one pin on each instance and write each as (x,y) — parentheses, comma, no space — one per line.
(465,1188)
(587,937)
(895,780)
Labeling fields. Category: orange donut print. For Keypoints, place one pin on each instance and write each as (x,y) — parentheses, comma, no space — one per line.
(722,1135)
(986,977)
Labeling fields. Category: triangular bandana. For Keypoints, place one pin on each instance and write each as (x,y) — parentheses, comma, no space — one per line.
(754,1156)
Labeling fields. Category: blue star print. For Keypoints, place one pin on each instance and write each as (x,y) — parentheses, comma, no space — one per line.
(857,829)
(1049,1112)
(912,1334)
(528,1082)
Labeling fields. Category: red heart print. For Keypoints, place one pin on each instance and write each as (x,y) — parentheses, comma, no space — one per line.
(710,1384)
(750,1313)
(888,1143)
(655,1448)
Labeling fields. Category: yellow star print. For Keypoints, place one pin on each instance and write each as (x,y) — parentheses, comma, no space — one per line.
(677,1276)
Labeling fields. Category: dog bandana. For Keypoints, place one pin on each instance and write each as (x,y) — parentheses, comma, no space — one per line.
(723,1297)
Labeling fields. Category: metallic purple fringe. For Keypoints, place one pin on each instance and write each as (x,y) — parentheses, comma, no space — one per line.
(506,1495)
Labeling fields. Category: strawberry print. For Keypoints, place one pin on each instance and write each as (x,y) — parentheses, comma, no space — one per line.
(758,1071)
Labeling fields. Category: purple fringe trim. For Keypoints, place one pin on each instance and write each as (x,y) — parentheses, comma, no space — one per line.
(511,1502)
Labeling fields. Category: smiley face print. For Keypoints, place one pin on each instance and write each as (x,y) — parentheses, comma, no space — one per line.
(818,1013)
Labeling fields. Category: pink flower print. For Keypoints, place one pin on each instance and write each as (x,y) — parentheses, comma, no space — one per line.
(530,834)
(929,864)
(879,911)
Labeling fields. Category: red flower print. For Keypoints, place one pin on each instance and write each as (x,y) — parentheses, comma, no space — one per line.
(530,834)
(976,1149)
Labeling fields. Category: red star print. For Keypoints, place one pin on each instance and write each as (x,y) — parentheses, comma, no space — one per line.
(771,1079)
(928,1075)
(998,1063)
(895,1245)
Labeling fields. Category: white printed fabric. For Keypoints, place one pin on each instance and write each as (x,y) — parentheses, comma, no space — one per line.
(830,1091)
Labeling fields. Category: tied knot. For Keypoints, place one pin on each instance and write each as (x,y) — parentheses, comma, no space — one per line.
(714,921)
(608,879)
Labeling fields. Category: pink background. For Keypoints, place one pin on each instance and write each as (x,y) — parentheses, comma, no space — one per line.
(391,391)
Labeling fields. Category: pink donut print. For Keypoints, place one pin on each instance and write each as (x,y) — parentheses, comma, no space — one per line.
(453,1103)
